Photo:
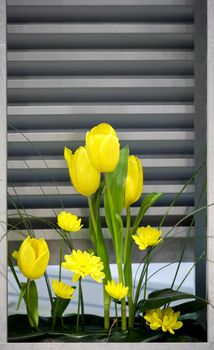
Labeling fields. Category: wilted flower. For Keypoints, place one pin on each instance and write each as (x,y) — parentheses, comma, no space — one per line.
(116,290)
(85,178)
(69,222)
(147,237)
(62,290)
(84,264)
(103,147)
(134,181)
(166,319)
(32,257)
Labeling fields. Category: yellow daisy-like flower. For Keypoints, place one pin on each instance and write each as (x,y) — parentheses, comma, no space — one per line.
(84,264)
(69,222)
(62,290)
(116,290)
(166,319)
(147,237)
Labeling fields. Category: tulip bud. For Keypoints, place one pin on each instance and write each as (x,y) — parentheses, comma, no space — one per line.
(103,147)
(134,181)
(85,178)
(32,257)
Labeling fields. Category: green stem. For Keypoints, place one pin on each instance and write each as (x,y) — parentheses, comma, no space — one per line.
(78,307)
(102,253)
(48,288)
(90,205)
(82,304)
(146,276)
(128,267)
(117,252)
(137,293)
(10,263)
(60,258)
(54,315)
(123,301)
(27,301)
(116,313)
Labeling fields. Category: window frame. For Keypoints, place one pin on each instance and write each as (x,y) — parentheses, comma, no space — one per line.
(207,103)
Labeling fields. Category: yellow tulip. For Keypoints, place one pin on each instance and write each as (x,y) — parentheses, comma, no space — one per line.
(134,181)
(32,257)
(85,178)
(103,147)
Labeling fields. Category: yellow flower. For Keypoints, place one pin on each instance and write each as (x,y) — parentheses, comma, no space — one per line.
(84,264)
(103,147)
(85,178)
(62,290)
(69,222)
(147,237)
(134,181)
(116,290)
(166,319)
(32,257)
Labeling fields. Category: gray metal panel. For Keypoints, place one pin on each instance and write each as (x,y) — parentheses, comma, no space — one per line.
(200,143)
(130,65)
(3,174)
(210,167)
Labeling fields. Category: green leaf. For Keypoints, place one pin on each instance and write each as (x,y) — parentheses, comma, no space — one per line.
(116,180)
(190,310)
(21,294)
(114,198)
(59,306)
(162,297)
(147,202)
(32,304)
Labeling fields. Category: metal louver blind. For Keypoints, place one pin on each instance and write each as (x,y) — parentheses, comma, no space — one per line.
(73,64)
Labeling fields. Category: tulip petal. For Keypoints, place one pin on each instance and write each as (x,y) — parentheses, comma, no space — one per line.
(87,178)
(110,153)
(26,258)
(39,267)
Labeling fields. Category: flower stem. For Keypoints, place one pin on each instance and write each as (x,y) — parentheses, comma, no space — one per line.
(128,266)
(60,258)
(103,254)
(118,251)
(48,288)
(137,293)
(27,302)
(54,315)
(116,314)
(82,304)
(146,274)
(78,307)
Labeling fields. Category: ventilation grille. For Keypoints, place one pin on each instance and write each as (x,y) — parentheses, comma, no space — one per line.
(74,64)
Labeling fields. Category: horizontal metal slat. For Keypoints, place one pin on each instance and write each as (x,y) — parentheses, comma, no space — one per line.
(100,3)
(84,212)
(47,195)
(83,28)
(49,234)
(101,89)
(51,189)
(78,135)
(85,116)
(145,142)
(99,35)
(111,62)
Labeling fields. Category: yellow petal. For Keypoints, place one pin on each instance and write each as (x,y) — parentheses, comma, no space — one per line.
(109,153)
(40,265)
(26,259)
